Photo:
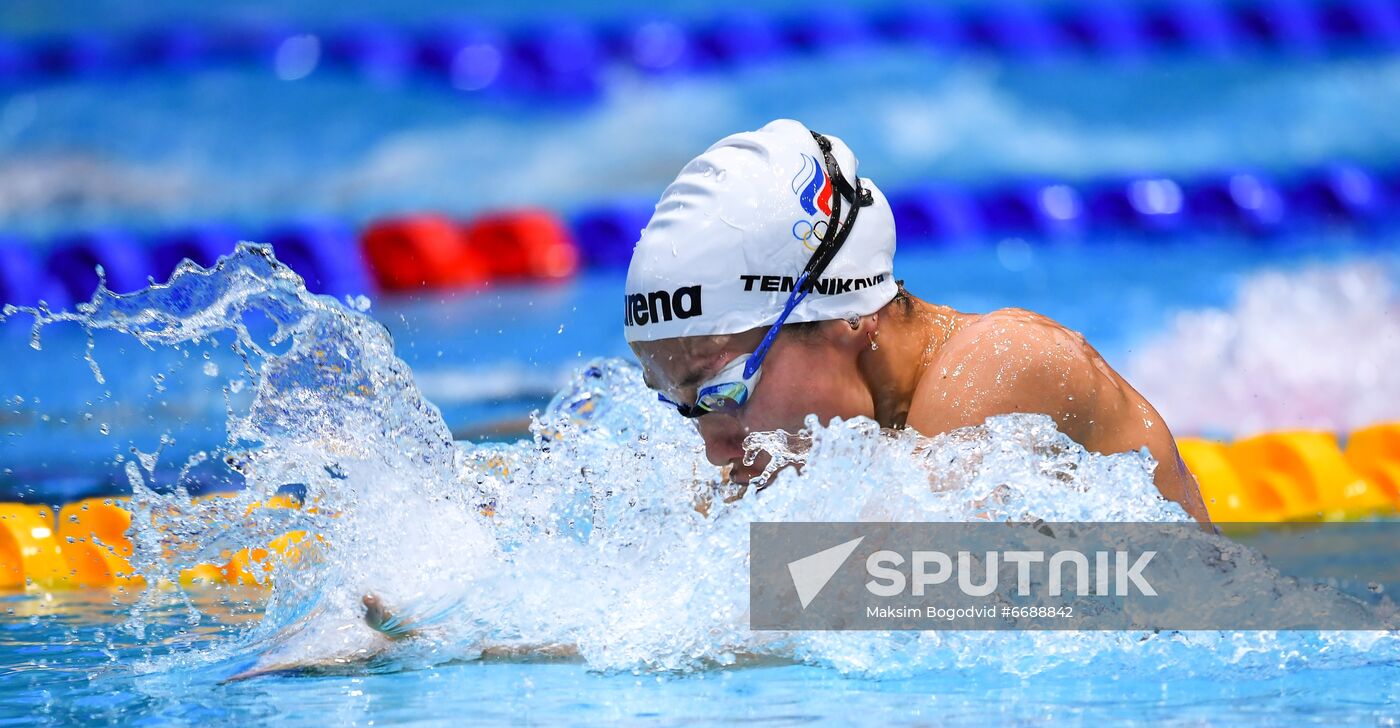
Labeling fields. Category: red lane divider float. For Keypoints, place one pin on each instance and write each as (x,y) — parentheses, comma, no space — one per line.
(405,253)
(432,251)
(525,245)
(415,251)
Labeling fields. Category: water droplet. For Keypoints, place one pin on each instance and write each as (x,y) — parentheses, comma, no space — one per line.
(211,369)
(104,428)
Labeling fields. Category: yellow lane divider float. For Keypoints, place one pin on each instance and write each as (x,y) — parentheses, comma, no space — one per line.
(87,546)
(1301,475)
(29,553)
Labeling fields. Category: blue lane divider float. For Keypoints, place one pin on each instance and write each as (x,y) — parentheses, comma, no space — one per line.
(606,233)
(561,57)
(75,260)
(941,213)
(326,252)
(202,244)
(23,280)
(371,50)
(1106,28)
(335,257)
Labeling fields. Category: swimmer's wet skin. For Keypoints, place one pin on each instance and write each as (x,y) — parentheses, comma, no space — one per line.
(383,619)
(751,266)
(387,625)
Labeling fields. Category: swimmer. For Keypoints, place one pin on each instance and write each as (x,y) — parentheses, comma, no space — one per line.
(763,290)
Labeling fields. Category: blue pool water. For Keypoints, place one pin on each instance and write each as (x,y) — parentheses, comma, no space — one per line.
(81,678)
(155,150)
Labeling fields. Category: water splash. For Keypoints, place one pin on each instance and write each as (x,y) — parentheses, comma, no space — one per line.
(328,408)
(606,536)
(1314,348)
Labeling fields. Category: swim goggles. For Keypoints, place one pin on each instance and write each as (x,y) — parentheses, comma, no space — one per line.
(732,387)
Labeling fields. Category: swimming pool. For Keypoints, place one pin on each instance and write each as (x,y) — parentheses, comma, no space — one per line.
(155,150)
(505,691)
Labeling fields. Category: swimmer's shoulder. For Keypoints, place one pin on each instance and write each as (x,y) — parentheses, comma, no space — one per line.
(1008,360)
(1011,335)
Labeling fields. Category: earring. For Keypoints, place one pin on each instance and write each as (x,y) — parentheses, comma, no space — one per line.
(853,321)
(873,346)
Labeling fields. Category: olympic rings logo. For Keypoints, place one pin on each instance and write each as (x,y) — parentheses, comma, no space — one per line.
(810,235)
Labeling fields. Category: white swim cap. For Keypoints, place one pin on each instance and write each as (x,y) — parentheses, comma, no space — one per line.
(731,235)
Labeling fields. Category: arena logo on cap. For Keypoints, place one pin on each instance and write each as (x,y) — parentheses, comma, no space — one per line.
(663,305)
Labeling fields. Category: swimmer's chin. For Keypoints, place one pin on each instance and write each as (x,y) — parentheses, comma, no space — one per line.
(756,475)
(740,475)
(738,472)
(733,484)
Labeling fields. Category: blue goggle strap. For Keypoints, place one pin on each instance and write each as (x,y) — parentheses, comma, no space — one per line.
(799,292)
(825,252)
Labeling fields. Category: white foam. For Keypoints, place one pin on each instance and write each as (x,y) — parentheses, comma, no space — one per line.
(1314,348)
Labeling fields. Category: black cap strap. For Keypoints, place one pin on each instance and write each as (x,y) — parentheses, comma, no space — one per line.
(835,236)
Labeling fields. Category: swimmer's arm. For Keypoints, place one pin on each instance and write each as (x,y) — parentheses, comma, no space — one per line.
(386,621)
(1020,362)
(1135,423)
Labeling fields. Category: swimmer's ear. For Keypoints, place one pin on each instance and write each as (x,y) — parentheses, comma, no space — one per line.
(853,332)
